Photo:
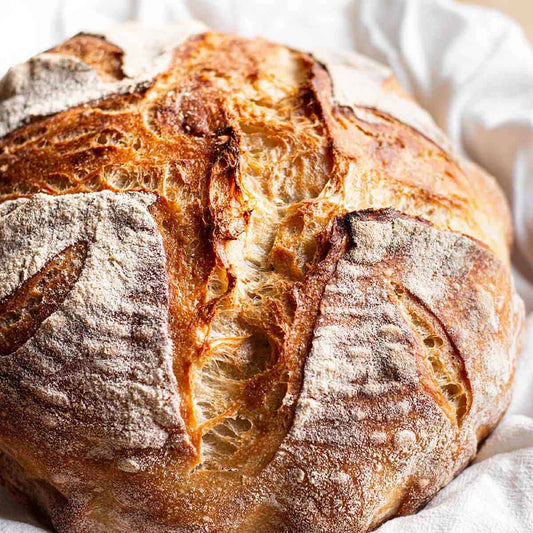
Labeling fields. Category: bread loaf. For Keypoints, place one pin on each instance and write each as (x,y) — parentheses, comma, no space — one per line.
(243,288)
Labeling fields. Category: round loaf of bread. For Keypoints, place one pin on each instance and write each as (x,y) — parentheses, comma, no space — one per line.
(243,289)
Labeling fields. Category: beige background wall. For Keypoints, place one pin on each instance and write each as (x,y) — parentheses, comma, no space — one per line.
(520,10)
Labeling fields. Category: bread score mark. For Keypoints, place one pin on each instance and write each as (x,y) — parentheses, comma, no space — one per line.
(443,369)
(442,365)
(22,312)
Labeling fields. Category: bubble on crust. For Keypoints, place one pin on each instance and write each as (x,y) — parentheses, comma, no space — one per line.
(378,438)
(404,439)
(299,474)
(128,465)
(423,483)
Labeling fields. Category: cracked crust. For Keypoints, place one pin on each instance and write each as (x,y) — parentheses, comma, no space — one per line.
(252,290)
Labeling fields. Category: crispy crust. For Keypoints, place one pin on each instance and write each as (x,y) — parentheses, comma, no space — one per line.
(340,320)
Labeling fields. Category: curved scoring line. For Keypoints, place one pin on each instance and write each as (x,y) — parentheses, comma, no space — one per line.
(22,312)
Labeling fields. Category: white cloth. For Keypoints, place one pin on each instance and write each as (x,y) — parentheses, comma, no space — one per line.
(472,68)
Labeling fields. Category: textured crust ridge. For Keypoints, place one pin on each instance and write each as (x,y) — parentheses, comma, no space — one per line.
(259,292)
(360,81)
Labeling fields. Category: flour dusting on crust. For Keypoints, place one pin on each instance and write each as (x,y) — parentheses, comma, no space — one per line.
(357,80)
(99,369)
(50,83)
(370,412)
(148,51)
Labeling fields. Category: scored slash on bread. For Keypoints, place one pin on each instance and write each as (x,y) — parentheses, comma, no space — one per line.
(22,313)
(240,286)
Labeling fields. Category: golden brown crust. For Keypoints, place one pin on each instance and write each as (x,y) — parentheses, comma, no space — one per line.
(104,56)
(331,366)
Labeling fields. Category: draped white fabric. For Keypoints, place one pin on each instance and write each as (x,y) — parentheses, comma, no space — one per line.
(472,68)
